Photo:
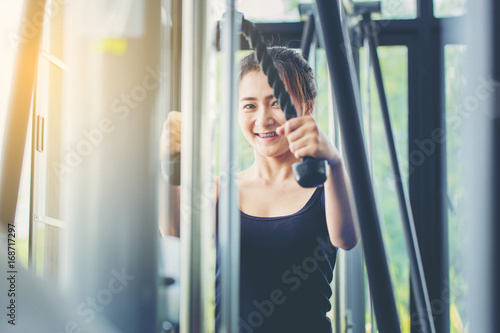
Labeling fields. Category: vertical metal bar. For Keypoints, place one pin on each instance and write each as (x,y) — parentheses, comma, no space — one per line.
(229,217)
(209,246)
(307,36)
(355,295)
(176,54)
(339,280)
(342,74)
(427,167)
(425,9)
(313,59)
(370,149)
(368,103)
(23,81)
(194,107)
(481,142)
(418,283)
(338,286)
(354,266)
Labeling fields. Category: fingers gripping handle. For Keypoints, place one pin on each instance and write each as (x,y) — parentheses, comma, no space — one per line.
(310,172)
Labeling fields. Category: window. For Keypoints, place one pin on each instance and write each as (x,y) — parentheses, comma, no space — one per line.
(457,108)
(443,8)
(398,9)
(270,11)
(394,65)
(49,155)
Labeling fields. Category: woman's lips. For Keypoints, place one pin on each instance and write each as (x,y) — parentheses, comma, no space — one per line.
(267,136)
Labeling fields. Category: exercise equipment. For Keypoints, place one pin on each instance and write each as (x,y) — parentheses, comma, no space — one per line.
(418,283)
(310,172)
(345,88)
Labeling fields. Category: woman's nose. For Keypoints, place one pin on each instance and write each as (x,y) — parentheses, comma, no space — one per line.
(264,117)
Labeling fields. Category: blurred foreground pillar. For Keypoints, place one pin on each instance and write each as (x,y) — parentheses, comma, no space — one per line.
(111,162)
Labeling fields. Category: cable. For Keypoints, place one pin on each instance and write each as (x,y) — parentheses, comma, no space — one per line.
(256,40)
(311,172)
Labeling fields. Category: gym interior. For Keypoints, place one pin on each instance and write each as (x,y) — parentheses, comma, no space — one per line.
(408,92)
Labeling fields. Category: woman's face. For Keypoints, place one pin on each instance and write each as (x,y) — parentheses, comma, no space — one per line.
(259,115)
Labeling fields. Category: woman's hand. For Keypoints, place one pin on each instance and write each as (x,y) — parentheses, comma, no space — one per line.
(170,140)
(305,138)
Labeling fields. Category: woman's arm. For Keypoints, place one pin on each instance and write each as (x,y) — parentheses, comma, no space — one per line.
(169,220)
(170,145)
(338,207)
(306,139)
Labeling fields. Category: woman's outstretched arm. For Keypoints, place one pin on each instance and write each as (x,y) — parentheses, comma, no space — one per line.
(338,207)
(306,139)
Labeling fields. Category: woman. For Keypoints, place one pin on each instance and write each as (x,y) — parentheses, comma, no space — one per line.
(289,234)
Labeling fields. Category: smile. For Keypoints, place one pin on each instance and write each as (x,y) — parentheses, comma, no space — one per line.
(266,135)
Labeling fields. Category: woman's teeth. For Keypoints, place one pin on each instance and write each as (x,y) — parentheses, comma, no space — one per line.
(267,135)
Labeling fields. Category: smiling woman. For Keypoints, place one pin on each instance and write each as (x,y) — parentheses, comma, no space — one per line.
(289,234)
(260,115)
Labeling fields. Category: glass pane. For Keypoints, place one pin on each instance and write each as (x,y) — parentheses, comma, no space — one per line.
(287,10)
(54,162)
(394,64)
(270,11)
(324,95)
(456,112)
(443,8)
(39,249)
(57,157)
(49,163)
(397,9)
(53,165)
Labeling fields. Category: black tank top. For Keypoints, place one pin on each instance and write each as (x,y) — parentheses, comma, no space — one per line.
(285,271)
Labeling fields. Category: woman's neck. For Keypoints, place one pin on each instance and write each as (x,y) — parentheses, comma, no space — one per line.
(273,169)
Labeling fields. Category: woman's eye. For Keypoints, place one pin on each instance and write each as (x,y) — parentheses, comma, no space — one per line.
(248,106)
(275,103)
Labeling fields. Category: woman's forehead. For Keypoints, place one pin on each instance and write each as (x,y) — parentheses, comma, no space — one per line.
(255,82)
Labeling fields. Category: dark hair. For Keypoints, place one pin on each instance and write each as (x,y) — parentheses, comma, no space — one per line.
(294,71)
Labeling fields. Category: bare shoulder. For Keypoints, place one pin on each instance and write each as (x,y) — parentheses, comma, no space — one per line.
(242,176)
(241,181)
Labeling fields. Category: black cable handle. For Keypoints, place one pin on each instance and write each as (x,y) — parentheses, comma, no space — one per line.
(311,172)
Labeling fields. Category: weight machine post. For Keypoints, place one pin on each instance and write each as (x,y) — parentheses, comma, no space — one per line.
(229,215)
(344,85)
(418,283)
